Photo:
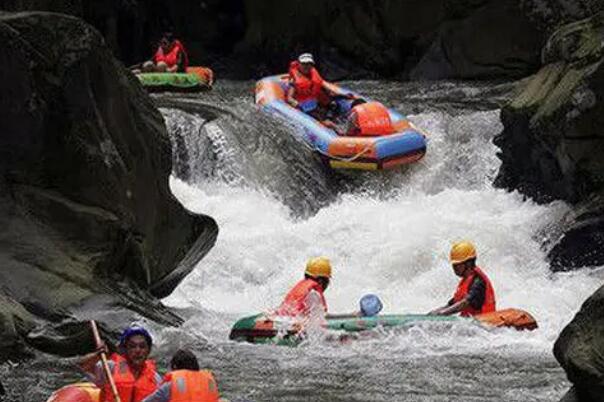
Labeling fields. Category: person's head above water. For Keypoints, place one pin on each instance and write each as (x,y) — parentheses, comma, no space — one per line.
(307,62)
(166,41)
(135,344)
(462,257)
(319,269)
(184,359)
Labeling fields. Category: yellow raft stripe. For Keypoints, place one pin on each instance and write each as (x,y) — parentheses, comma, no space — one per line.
(353,165)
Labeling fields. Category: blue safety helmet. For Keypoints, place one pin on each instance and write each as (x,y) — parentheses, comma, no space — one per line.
(370,305)
(132,331)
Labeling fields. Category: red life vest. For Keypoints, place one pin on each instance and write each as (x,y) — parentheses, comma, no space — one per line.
(305,88)
(130,389)
(192,386)
(295,301)
(171,58)
(464,288)
(371,118)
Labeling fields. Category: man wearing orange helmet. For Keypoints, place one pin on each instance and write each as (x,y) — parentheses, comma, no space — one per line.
(307,294)
(474,294)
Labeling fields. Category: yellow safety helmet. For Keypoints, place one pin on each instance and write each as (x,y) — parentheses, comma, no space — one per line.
(318,267)
(462,252)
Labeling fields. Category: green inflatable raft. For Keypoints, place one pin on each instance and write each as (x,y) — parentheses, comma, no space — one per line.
(266,329)
(195,79)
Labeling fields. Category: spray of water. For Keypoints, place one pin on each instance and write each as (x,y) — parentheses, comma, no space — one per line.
(388,239)
(387,233)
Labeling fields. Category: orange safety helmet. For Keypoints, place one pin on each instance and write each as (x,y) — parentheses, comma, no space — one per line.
(318,267)
(462,252)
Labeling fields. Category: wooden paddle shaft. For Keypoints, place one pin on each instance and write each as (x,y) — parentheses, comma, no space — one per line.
(97,340)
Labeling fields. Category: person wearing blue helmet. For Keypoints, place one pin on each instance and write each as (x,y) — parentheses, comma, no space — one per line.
(134,374)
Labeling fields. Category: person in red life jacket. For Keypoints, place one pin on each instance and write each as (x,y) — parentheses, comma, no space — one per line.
(475,294)
(307,91)
(186,382)
(307,295)
(134,374)
(170,57)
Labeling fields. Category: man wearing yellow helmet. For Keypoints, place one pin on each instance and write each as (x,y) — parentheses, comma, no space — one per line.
(308,293)
(475,294)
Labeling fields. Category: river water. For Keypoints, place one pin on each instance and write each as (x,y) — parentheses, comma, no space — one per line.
(386,232)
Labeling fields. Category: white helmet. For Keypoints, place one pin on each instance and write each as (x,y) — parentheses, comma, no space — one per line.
(306,58)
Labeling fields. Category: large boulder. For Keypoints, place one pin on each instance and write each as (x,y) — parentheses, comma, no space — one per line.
(85,207)
(583,242)
(497,40)
(390,38)
(466,39)
(580,350)
(552,145)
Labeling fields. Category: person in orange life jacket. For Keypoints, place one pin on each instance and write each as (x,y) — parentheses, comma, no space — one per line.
(186,382)
(307,294)
(475,294)
(342,124)
(307,91)
(134,374)
(170,57)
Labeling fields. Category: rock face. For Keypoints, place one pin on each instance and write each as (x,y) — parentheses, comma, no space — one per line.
(423,39)
(580,349)
(552,144)
(390,38)
(84,198)
(496,40)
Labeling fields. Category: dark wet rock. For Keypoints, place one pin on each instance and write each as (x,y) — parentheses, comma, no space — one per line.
(390,38)
(85,205)
(497,40)
(552,145)
(580,350)
(470,39)
(582,244)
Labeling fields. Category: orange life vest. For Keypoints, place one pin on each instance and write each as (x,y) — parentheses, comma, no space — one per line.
(295,301)
(464,288)
(305,88)
(192,386)
(171,58)
(130,389)
(371,118)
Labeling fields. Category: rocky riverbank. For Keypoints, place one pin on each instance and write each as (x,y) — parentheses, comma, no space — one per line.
(551,148)
(89,223)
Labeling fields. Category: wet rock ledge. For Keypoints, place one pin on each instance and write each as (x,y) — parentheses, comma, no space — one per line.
(552,145)
(88,223)
(553,148)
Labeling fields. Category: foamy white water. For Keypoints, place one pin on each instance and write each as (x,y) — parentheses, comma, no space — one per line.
(389,233)
(395,247)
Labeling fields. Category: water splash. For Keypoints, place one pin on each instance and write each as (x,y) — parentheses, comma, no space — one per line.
(387,233)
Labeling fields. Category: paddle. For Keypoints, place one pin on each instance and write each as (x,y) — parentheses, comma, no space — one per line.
(97,340)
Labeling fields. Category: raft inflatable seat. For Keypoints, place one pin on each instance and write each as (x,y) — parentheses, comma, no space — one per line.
(194,80)
(406,145)
(263,329)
